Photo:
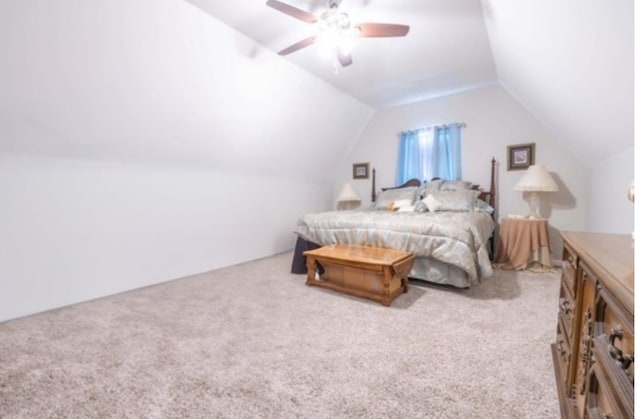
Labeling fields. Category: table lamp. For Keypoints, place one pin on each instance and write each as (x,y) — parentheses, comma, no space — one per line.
(535,180)
(348,197)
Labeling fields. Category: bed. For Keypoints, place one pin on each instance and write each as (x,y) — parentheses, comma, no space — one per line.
(447,225)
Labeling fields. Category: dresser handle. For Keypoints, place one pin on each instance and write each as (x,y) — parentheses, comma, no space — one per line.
(623,361)
(565,306)
(572,261)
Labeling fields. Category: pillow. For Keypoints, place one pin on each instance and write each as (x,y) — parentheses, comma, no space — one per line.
(401,203)
(455,185)
(421,206)
(433,185)
(432,203)
(409,208)
(483,206)
(456,200)
(385,198)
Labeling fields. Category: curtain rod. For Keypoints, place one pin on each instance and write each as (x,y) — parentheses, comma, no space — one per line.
(431,127)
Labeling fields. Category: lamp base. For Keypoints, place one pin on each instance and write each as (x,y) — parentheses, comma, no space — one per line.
(534,206)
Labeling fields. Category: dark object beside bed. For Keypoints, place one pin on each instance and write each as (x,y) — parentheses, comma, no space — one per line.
(299,263)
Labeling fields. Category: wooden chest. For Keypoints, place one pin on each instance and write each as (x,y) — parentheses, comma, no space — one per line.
(369,272)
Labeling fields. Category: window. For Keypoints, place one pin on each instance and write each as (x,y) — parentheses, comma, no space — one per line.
(430,152)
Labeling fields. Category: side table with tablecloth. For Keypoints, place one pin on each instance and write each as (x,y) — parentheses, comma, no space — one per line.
(523,243)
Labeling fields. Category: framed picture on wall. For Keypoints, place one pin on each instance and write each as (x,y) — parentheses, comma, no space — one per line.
(521,156)
(361,170)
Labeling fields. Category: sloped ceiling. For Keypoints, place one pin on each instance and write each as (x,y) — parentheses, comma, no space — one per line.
(569,62)
(162,82)
(446,50)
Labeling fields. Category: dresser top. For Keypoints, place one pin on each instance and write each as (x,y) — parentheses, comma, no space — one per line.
(610,256)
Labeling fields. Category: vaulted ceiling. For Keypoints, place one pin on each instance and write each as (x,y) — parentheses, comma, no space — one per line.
(189,80)
(446,50)
(569,62)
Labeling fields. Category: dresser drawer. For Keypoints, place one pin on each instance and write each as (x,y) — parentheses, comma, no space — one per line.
(566,310)
(602,401)
(613,350)
(562,349)
(570,268)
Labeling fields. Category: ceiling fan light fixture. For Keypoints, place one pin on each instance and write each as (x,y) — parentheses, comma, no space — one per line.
(346,44)
(328,41)
(335,32)
(335,36)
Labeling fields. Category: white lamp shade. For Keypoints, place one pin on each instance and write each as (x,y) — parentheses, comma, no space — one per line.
(536,179)
(348,194)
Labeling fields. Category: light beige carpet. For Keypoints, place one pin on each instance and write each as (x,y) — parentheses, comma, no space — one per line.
(252,341)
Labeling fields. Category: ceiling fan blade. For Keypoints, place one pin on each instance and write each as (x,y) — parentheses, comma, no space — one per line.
(371,30)
(298,45)
(292,11)
(345,59)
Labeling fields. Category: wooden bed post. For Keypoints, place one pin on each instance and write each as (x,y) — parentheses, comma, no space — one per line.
(373,185)
(492,202)
(492,189)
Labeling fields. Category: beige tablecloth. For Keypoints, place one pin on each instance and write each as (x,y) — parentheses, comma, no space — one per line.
(523,244)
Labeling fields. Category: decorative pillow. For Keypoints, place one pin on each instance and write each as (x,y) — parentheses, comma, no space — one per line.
(456,200)
(455,185)
(421,206)
(433,185)
(483,206)
(432,203)
(385,198)
(401,203)
(409,208)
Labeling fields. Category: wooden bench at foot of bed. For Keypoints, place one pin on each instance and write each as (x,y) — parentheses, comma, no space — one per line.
(369,272)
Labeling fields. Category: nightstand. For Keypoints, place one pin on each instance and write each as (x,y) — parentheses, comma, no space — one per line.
(523,243)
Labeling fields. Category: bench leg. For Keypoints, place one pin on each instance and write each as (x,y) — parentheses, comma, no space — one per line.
(386,286)
(311,270)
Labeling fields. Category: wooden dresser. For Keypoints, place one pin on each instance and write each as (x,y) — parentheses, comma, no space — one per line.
(593,352)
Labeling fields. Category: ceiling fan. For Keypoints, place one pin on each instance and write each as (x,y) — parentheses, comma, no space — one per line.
(335,29)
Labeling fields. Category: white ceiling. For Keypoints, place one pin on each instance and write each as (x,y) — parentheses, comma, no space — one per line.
(569,62)
(85,80)
(446,50)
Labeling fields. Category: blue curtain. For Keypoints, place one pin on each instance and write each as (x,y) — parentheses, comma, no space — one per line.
(409,157)
(437,155)
(446,156)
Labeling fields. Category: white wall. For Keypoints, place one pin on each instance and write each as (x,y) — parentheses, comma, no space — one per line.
(494,121)
(75,230)
(143,140)
(609,209)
